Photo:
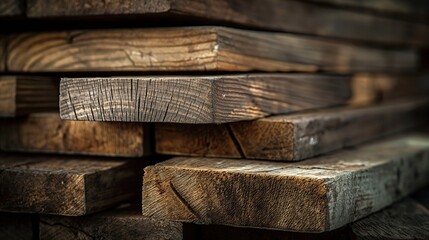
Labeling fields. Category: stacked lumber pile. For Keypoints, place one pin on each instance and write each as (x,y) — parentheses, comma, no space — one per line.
(226,119)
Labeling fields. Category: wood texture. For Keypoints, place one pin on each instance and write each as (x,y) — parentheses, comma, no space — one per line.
(291,137)
(215,232)
(23,95)
(406,220)
(196,49)
(289,16)
(410,9)
(210,99)
(15,226)
(65,186)
(124,222)
(374,88)
(317,195)
(12,8)
(47,133)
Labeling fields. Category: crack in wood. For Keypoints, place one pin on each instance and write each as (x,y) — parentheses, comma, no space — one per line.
(235,141)
(184,201)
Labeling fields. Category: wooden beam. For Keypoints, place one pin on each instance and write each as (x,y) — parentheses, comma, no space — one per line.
(409,10)
(373,88)
(65,186)
(196,49)
(406,220)
(317,195)
(124,222)
(15,226)
(209,99)
(21,95)
(215,232)
(291,137)
(12,8)
(47,133)
(289,16)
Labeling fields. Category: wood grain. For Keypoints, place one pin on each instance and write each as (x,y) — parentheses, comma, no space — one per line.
(15,226)
(289,16)
(215,232)
(47,133)
(12,8)
(196,49)
(317,195)
(409,10)
(124,222)
(374,88)
(65,186)
(194,99)
(291,137)
(406,220)
(21,95)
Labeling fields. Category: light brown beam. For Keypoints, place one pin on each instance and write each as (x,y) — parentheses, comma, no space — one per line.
(69,186)
(20,95)
(47,133)
(196,49)
(291,137)
(316,195)
(195,99)
(281,15)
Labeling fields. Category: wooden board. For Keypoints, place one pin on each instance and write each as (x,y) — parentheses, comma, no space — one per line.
(409,10)
(215,232)
(370,88)
(194,99)
(47,133)
(317,195)
(124,222)
(406,220)
(21,95)
(289,16)
(15,226)
(12,8)
(291,137)
(196,49)
(65,186)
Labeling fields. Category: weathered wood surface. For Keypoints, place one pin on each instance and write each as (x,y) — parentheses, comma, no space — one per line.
(289,16)
(405,220)
(196,49)
(47,133)
(24,94)
(410,9)
(215,232)
(194,99)
(124,222)
(291,137)
(317,195)
(374,88)
(65,186)
(15,226)
(12,8)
